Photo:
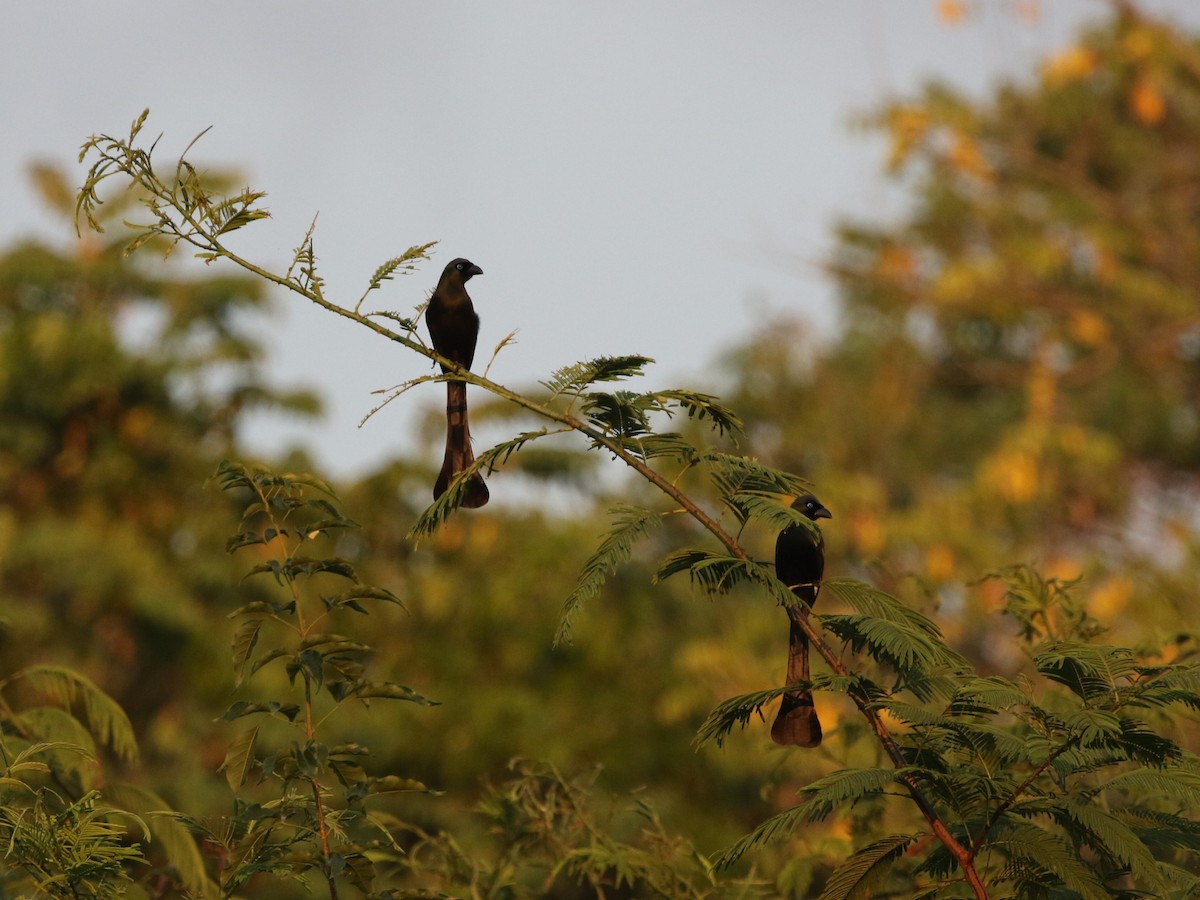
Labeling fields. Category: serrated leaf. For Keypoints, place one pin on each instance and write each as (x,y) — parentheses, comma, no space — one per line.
(245,639)
(389,690)
(270,656)
(244,539)
(349,598)
(240,708)
(332,643)
(389,784)
(239,761)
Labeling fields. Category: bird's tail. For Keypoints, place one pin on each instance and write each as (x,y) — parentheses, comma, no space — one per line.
(458,449)
(797,724)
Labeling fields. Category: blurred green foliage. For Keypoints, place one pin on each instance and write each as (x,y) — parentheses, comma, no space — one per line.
(1018,376)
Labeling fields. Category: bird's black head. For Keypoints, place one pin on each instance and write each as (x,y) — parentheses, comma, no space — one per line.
(461,268)
(811,507)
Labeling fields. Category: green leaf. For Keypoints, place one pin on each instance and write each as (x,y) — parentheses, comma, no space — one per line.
(630,524)
(244,539)
(912,714)
(294,567)
(622,414)
(705,406)
(268,657)
(390,690)
(245,639)
(240,708)
(405,263)
(716,573)
(313,530)
(656,446)
(987,696)
(51,725)
(167,832)
(733,474)
(311,663)
(1048,854)
(1002,745)
(1109,835)
(105,718)
(734,711)
(857,876)
(349,598)
(1163,832)
(573,378)
(869,601)
(240,759)
(821,798)
(768,510)
(913,653)
(1093,727)
(394,784)
(1093,671)
(1167,686)
(441,508)
(333,643)
(1174,782)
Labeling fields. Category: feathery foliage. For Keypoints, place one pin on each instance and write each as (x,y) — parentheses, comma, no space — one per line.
(318,819)
(1039,785)
(69,849)
(631,524)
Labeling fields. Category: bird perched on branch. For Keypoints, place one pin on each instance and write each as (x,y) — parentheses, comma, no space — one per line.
(454,328)
(800,563)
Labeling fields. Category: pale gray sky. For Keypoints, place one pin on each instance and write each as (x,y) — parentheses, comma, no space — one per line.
(633,177)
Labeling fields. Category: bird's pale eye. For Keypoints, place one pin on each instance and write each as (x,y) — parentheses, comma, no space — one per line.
(459,267)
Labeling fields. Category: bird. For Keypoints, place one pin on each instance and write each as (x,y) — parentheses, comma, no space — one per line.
(454,329)
(800,564)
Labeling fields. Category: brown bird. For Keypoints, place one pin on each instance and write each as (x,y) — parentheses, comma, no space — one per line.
(800,563)
(454,328)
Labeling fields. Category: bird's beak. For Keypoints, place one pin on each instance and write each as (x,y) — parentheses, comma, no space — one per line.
(474,270)
(822,513)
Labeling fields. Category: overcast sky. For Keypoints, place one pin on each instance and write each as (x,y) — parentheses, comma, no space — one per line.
(633,177)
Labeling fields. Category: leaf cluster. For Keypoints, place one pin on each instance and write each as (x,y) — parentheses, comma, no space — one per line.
(1067,782)
(303,803)
(68,832)
(68,849)
(550,833)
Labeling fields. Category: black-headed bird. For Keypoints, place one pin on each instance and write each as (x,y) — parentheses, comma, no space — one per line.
(454,329)
(800,564)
